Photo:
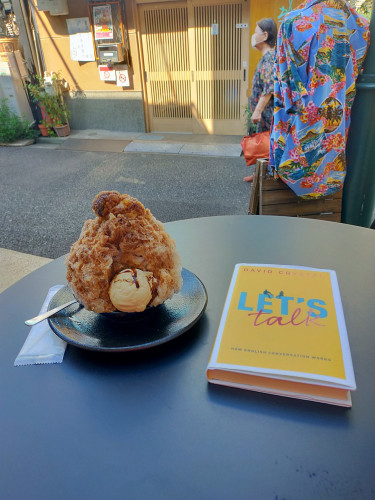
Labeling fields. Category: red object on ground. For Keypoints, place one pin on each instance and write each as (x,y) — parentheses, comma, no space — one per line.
(45,115)
(43,130)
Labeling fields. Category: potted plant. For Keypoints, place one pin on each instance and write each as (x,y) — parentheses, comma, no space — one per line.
(59,115)
(54,110)
(39,95)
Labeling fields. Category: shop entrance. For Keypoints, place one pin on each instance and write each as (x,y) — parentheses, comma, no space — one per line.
(196,65)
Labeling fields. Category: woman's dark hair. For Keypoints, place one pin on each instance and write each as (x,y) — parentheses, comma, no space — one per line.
(268,25)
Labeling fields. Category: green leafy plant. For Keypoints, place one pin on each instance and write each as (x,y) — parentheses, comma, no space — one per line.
(49,127)
(250,126)
(56,112)
(12,127)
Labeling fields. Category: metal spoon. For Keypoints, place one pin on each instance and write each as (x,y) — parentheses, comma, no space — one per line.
(41,317)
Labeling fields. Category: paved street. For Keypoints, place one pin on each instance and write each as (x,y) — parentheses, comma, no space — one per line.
(46,194)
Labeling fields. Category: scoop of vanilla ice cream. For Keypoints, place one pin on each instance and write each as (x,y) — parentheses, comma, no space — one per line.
(130,290)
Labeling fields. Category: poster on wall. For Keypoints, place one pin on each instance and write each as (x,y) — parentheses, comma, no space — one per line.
(122,78)
(103,27)
(81,44)
(107,73)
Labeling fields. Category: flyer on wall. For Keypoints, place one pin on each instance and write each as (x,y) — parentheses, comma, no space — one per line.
(81,44)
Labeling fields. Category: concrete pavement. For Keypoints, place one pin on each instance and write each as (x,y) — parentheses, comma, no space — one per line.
(185,144)
(16,265)
(48,187)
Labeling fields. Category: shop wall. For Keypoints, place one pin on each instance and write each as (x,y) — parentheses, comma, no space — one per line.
(93,102)
(98,104)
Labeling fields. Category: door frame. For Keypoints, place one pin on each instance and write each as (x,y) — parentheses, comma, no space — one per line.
(192,3)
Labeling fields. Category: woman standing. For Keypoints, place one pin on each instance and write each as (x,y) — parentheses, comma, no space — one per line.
(261,100)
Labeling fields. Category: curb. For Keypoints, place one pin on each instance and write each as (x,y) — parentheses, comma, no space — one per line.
(18,143)
(50,140)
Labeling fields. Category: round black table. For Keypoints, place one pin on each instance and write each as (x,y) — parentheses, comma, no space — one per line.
(147,425)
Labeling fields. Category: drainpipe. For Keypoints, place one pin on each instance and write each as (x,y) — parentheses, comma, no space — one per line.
(26,36)
(358,202)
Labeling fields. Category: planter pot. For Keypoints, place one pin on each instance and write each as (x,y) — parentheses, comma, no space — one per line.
(45,116)
(62,130)
(43,130)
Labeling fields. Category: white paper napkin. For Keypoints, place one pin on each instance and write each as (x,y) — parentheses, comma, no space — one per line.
(42,345)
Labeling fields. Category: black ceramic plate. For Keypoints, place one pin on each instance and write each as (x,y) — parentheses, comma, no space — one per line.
(130,332)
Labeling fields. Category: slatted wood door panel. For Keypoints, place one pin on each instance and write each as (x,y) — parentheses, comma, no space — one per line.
(195,59)
(220,59)
(164,31)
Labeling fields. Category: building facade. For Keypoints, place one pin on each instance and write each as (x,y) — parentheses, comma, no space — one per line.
(144,65)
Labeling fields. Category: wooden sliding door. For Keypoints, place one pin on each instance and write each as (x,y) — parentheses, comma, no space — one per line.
(196,59)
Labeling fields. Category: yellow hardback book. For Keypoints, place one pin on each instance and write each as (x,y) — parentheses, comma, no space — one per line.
(282,331)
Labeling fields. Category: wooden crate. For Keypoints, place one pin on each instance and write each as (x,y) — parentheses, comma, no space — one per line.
(271,196)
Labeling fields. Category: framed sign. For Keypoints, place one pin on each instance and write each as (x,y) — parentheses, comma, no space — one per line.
(122,78)
(107,73)
(107,25)
(103,26)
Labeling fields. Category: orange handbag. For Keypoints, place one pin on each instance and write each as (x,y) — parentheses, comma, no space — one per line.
(256,146)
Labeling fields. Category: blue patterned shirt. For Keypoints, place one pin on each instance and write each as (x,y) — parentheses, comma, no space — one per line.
(321,47)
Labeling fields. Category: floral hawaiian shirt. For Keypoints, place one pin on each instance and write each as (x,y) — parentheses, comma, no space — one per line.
(263,84)
(320,50)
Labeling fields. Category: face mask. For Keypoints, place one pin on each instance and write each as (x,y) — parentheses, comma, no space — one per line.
(254,41)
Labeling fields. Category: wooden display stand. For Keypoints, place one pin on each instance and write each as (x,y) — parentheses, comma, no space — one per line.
(271,196)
